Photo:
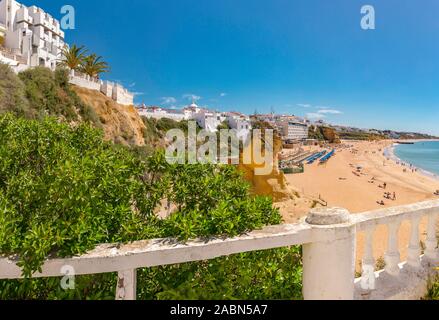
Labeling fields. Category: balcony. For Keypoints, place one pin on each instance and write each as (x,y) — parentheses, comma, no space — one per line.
(329,254)
(13,54)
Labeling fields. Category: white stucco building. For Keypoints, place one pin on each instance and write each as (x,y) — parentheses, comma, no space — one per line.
(32,38)
(207,119)
(31,35)
(159,113)
(294,130)
(239,122)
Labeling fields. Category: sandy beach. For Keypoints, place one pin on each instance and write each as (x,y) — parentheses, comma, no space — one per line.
(354,179)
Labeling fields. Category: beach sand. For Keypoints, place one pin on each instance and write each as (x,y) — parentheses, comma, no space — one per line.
(336,183)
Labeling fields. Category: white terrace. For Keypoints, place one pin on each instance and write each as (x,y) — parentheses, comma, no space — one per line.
(328,237)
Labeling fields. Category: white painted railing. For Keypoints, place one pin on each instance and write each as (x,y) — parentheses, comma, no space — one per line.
(328,237)
(399,280)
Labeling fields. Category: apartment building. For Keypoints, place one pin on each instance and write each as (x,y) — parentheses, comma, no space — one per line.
(31,34)
(294,130)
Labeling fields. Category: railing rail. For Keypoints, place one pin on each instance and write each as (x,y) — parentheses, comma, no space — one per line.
(150,253)
(368,219)
(329,253)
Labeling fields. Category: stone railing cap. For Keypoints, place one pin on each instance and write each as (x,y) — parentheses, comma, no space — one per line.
(328,216)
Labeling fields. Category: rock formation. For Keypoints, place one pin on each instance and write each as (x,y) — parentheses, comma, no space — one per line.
(121,124)
(273,184)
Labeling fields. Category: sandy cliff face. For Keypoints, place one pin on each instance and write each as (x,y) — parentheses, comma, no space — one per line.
(273,184)
(121,124)
(330,135)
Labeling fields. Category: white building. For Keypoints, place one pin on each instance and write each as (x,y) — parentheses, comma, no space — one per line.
(33,36)
(207,119)
(294,130)
(239,122)
(159,113)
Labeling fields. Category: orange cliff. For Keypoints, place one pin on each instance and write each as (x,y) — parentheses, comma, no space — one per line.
(121,124)
(273,184)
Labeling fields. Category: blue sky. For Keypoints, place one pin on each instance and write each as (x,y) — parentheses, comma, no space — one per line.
(305,57)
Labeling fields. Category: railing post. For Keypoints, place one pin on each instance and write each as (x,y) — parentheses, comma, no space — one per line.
(329,264)
(431,251)
(414,249)
(392,256)
(368,262)
(126,285)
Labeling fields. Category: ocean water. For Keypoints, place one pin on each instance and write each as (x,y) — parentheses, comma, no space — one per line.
(424,155)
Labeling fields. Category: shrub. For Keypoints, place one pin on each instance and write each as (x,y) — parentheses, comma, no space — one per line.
(49,93)
(433,289)
(64,190)
(13,94)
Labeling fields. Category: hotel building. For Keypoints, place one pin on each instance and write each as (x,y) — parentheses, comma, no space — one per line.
(294,130)
(32,37)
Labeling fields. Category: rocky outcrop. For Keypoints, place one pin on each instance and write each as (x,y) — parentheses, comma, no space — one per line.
(121,124)
(330,135)
(273,184)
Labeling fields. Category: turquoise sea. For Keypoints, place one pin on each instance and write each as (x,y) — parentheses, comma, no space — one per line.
(424,155)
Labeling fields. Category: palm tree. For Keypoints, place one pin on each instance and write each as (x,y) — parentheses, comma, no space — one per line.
(73,57)
(94,66)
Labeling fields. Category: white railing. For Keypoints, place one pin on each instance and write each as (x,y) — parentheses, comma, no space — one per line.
(399,280)
(13,54)
(328,237)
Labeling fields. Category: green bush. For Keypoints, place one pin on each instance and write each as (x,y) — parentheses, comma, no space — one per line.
(433,290)
(49,94)
(64,190)
(156,128)
(13,94)
(38,92)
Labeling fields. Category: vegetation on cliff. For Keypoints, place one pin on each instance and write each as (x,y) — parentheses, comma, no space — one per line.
(39,92)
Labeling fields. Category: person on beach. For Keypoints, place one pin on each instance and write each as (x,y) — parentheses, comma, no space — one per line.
(394,196)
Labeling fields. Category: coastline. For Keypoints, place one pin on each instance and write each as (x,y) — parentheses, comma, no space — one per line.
(354,179)
(389,153)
